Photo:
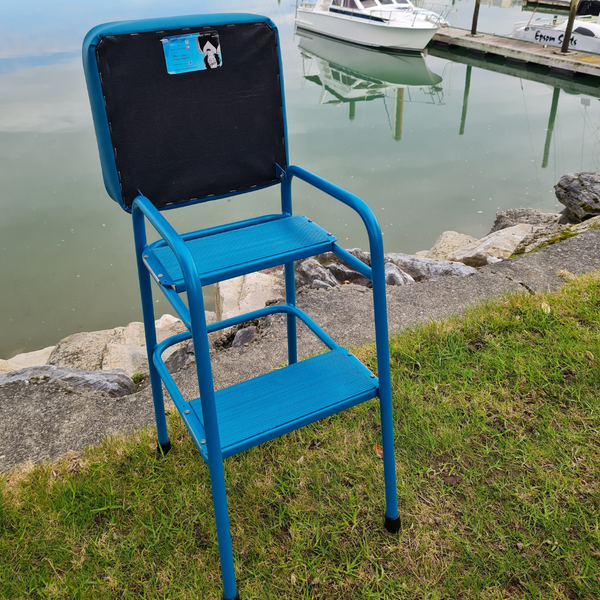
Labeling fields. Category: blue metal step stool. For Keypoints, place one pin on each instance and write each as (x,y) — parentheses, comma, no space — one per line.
(188,110)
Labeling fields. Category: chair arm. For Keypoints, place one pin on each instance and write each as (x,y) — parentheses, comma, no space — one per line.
(142,207)
(351,200)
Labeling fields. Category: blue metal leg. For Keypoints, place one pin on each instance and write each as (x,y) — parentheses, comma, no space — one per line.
(392,520)
(164,445)
(290,282)
(290,298)
(213,441)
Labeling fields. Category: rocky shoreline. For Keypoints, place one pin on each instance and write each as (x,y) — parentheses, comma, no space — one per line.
(82,389)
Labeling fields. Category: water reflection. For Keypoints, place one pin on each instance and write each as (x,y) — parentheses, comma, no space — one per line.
(348,74)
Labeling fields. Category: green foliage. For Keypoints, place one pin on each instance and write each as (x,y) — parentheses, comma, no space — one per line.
(138,378)
(497,449)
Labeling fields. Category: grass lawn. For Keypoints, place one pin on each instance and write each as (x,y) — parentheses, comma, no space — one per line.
(497,449)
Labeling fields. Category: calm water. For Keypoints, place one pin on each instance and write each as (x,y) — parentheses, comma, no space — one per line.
(389,130)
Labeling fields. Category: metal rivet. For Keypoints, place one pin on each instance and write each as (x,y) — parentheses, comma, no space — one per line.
(145,256)
(187,412)
(160,275)
(310,220)
(372,376)
(203,441)
(329,233)
(349,353)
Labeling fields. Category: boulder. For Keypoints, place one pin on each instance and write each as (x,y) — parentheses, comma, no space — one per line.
(244,336)
(361,255)
(244,294)
(31,359)
(544,237)
(396,276)
(5,366)
(580,193)
(317,284)
(421,269)
(343,272)
(115,383)
(121,347)
(132,359)
(81,350)
(493,247)
(530,216)
(310,269)
(447,243)
(182,357)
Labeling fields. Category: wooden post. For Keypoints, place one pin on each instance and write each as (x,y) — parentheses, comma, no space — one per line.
(476,16)
(569,29)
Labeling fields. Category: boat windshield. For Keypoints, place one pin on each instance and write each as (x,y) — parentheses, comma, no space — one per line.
(344,3)
(368,3)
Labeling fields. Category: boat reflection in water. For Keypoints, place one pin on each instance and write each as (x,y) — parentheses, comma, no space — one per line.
(351,74)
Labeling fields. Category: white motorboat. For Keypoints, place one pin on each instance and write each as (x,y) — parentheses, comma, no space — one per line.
(584,37)
(392,24)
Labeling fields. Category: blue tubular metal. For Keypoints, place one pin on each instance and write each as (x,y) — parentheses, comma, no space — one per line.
(178,304)
(289,276)
(205,382)
(139,234)
(194,235)
(381,325)
(357,265)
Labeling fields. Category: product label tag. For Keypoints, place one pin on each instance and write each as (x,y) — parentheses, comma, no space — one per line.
(192,52)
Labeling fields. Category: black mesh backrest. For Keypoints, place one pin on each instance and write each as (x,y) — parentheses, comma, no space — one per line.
(190,136)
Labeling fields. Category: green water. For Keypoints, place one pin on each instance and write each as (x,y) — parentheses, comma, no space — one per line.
(66,257)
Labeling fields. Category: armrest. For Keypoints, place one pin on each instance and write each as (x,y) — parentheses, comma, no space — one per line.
(142,207)
(354,202)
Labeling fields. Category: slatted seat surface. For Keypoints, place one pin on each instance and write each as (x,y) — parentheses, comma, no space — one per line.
(266,242)
(263,408)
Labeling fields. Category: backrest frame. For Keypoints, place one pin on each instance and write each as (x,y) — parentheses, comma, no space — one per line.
(110,170)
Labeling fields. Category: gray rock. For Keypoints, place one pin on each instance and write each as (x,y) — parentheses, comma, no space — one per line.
(530,216)
(183,356)
(447,243)
(310,269)
(548,236)
(494,247)
(396,276)
(421,269)
(317,284)
(115,383)
(81,350)
(244,336)
(343,273)
(361,255)
(580,193)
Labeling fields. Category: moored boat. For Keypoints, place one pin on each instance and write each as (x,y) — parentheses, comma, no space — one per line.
(392,24)
(585,35)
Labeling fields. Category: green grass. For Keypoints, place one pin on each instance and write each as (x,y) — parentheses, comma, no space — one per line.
(497,436)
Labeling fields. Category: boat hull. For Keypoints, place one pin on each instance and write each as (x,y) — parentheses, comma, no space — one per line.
(551,36)
(367,33)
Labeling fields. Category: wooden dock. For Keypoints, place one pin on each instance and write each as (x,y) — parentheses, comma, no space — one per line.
(521,51)
(560,5)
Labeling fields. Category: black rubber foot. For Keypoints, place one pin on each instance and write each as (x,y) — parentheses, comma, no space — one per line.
(392,525)
(237,597)
(163,449)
